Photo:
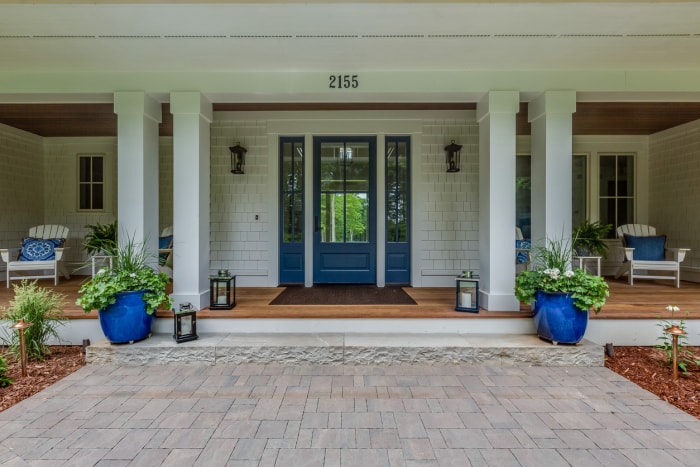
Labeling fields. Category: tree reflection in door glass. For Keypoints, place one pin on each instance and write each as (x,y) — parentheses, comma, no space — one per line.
(344,192)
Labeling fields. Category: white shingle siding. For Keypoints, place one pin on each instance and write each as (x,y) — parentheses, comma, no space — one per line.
(60,188)
(674,184)
(236,237)
(448,204)
(21,181)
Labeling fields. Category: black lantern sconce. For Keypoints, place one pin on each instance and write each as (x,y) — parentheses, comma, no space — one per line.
(185,324)
(453,155)
(237,158)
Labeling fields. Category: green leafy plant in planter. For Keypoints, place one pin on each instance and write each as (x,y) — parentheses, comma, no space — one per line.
(552,273)
(589,238)
(100,238)
(44,309)
(131,270)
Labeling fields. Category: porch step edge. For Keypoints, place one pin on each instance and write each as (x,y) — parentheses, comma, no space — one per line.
(348,349)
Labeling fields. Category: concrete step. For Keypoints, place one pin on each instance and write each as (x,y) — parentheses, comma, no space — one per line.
(349,349)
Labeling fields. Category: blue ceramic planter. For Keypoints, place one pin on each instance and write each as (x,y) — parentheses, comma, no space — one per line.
(557,319)
(126,320)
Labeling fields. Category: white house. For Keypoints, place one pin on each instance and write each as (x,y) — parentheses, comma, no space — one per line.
(345,110)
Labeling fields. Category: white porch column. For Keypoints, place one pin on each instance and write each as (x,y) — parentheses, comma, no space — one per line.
(138,116)
(495,113)
(551,140)
(192,116)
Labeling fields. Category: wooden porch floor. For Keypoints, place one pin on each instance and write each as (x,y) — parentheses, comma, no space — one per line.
(646,300)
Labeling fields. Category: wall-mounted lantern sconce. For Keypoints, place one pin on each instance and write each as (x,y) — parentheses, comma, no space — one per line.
(452,157)
(237,158)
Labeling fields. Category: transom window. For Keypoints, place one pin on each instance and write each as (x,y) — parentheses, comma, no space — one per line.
(91,182)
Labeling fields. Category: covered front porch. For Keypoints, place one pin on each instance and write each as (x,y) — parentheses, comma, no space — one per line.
(630,316)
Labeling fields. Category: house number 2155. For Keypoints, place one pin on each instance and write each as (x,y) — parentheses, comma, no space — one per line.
(343,81)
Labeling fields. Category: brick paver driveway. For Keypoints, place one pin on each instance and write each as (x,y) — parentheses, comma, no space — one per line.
(364,416)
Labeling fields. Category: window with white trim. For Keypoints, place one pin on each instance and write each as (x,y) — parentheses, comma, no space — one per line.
(91,182)
(616,194)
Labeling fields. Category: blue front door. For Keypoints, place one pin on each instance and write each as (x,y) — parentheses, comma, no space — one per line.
(344,210)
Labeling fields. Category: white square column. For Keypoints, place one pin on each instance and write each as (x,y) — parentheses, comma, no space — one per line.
(138,116)
(192,117)
(495,113)
(550,115)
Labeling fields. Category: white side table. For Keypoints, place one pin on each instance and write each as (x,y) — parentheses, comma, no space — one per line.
(102,258)
(582,260)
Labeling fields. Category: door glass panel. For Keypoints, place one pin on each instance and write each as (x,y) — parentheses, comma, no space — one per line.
(345,182)
(292,191)
(397,191)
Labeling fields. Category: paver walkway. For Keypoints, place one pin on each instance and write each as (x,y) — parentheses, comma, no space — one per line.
(359,416)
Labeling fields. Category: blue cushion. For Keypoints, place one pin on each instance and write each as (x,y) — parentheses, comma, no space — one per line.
(521,256)
(647,248)
(36,249)
(165,242)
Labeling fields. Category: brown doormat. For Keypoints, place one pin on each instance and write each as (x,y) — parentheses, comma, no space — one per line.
(343,294)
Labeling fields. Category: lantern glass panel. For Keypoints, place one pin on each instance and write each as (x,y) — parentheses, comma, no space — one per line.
(467,294)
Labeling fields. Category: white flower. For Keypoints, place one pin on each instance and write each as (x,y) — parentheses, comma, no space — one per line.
(569,273)
(672,308)
(101,271)
(552,273)
(133,274)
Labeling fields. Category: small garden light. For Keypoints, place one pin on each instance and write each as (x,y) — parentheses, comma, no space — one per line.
(675,331)
(21,325)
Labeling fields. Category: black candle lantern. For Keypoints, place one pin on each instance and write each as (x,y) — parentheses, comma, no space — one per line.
(452,157)
(222,292)
(237,158)
(185,323)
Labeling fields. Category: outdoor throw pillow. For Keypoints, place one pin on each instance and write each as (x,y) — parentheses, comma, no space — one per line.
(37,249)
(650,248)
(521,256)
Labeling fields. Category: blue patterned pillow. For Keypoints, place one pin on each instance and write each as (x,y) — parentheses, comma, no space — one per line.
(521,256)
(650,248)
(36,249)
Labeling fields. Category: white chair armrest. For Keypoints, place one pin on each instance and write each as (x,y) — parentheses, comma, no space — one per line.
(676,254)
(629,253)
(9,254)
(59,253)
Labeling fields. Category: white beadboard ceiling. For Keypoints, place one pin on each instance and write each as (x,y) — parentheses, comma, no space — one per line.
(365,36)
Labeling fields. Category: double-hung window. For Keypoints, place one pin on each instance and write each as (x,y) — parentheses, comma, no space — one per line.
(616,189)
(91,182)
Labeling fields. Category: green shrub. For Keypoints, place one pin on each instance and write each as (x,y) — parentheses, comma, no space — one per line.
(44,309)
(4,380)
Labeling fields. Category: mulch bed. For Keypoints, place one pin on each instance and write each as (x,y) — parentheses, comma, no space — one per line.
(648,368)
(62,361)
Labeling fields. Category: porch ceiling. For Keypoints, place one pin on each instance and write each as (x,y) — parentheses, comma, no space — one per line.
(53,39)
(591,118)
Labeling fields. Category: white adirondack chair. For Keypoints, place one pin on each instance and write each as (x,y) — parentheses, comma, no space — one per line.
(641,268)
(40,268)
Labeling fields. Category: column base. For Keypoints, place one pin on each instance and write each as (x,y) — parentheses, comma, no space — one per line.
(498,302)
